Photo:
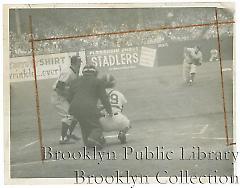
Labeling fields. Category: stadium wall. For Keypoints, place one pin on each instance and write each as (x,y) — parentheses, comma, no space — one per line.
(173,53)
(151,55)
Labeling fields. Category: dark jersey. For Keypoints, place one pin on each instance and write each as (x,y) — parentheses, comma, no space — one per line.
(84,95)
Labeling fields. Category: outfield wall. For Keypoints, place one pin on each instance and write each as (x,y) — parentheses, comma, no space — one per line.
(173,53)
(167,53)
(152,55)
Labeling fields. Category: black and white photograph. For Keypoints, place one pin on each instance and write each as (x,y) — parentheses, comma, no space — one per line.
(121,93)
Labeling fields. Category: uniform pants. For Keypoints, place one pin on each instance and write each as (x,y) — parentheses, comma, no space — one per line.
(188,69)
(118,122)
(62,106)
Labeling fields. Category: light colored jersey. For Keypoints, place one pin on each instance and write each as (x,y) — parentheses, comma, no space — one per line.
(60,102)
(214,55)
(214,52)
(67,76)
(118,122)
(117,100)
(191,57)
(187,56)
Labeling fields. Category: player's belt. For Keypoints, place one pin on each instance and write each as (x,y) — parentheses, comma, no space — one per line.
(116,106)
(113,114)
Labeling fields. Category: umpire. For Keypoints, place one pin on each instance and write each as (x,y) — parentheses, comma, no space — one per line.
(84,95)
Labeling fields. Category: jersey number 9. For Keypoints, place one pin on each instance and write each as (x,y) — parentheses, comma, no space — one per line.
(113,99)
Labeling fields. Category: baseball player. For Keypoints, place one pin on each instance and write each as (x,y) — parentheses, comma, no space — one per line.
(192,59)
(118,122)
(61,101)
(214,55)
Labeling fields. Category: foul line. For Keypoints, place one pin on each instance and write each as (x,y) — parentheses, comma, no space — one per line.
(198,133)
(202,130)
(31,143)
(32,163)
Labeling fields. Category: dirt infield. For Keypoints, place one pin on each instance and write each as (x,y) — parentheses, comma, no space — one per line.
(163,112)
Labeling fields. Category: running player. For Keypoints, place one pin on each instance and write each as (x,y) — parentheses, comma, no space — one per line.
(192,59)
(60,99)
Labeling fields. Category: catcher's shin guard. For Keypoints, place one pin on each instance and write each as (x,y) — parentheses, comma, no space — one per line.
(122,137)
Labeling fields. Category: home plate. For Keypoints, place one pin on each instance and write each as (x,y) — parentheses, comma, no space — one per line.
(226,69)
(113,136)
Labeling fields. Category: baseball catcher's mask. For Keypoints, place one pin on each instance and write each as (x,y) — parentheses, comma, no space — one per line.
(109,80)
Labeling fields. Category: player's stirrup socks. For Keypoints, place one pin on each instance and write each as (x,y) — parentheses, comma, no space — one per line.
(64,130)
(72,126)
(192,76)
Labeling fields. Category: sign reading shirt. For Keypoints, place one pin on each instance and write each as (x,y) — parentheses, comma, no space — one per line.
(47,66)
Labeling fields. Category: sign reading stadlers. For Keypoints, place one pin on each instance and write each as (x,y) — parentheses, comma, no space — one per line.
(114,58)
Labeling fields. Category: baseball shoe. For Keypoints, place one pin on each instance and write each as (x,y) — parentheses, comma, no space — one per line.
(74,137)
(103,141)
(64,141)
(190,82)
(122,137)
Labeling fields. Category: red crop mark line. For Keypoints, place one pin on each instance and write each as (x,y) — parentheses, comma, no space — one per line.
(36,90)
(222,80)
(32,40)
(135,31)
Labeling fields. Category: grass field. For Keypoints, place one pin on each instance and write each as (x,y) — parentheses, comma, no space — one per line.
(163,112)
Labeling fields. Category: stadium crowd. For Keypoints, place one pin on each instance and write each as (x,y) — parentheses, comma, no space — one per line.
(19,45)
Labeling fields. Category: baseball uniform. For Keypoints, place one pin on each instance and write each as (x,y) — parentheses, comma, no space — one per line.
(61,103)
(119,121)
(190,62)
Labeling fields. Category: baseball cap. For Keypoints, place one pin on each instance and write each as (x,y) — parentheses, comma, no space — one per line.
(75,59)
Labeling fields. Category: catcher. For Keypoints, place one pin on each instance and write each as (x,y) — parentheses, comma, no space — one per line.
(118,122)
(192,59)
